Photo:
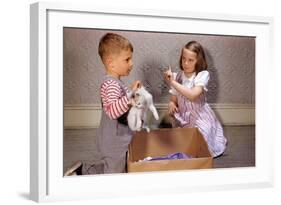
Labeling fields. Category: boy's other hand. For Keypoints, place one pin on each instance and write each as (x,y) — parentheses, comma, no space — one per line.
(132,102)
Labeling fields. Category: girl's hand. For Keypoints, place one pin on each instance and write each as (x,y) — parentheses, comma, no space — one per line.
(135,85)
(172,108)
(168,75)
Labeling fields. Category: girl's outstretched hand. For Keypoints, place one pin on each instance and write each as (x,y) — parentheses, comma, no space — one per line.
(168,75)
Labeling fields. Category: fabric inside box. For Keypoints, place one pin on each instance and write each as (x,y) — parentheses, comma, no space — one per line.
(162,142)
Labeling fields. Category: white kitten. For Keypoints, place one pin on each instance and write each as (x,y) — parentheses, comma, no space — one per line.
(138,113)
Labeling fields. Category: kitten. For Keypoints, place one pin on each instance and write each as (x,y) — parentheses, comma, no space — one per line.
(138,113)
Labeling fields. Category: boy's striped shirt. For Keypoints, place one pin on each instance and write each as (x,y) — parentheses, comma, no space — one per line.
(114,99)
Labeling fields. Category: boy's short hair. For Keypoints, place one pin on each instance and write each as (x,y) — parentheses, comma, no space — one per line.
(112,43)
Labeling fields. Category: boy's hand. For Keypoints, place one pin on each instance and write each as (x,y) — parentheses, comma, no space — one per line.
(132,102)
(168,75)
(135,85)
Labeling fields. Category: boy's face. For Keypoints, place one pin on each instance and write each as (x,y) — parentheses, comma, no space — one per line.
(122,63)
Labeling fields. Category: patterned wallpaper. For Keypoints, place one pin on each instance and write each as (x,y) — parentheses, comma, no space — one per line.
(231,61)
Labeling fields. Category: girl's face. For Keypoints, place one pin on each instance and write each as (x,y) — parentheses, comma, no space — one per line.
(188,61)
(122,63)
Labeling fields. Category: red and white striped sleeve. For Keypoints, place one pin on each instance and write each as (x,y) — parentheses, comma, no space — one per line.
(115,103)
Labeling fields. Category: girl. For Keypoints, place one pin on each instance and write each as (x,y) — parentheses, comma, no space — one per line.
(188,103)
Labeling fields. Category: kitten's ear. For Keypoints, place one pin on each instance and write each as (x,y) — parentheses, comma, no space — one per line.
(136,85)
(139,84)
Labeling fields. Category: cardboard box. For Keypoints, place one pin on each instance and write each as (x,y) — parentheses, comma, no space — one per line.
(162,142)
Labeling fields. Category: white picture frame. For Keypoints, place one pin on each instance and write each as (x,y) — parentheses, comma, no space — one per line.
(46,102)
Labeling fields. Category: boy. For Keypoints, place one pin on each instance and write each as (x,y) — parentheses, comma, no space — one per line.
(113,134)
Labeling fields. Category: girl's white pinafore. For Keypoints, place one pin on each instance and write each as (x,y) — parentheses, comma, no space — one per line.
(198,114)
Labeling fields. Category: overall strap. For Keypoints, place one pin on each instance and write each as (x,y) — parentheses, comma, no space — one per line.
(179,77)
(121,84)
(107,77)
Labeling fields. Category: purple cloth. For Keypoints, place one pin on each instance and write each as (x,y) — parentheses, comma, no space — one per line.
(178,155)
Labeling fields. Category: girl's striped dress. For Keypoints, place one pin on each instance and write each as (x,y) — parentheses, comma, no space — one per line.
(198,113)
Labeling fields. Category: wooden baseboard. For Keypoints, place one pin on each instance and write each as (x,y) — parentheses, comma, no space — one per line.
(88,115)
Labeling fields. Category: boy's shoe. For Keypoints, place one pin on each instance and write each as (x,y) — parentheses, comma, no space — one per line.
(75,169)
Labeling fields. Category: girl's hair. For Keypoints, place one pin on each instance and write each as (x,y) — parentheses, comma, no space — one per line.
(196,47)
(112,43)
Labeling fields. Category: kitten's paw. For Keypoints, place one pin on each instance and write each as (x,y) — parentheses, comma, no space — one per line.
(147,129)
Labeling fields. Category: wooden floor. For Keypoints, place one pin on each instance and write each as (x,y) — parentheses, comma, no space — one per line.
(79,144)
